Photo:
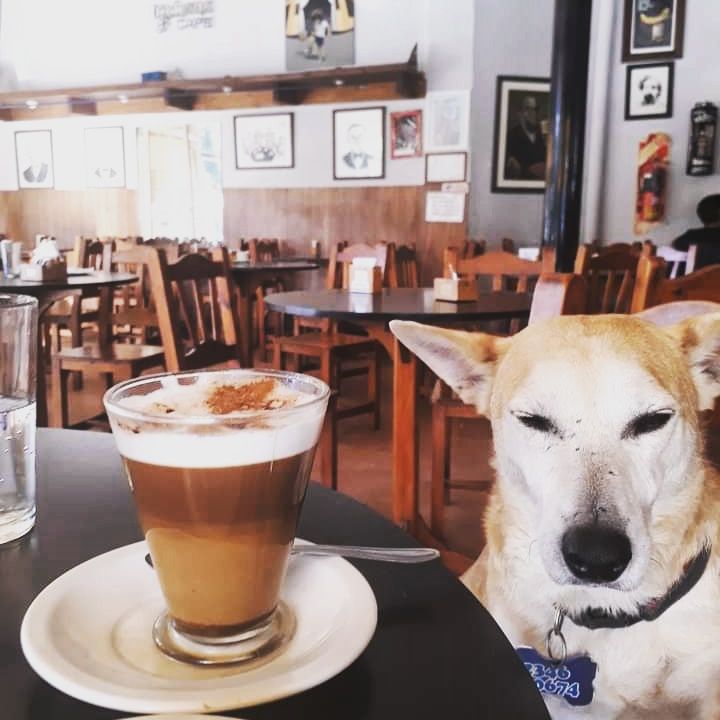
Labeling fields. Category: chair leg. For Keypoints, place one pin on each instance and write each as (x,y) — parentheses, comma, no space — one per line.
(439,452)
(277,356)
(58,410)
(374,388)
(447,444)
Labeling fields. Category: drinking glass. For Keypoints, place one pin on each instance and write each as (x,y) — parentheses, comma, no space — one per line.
(218,494)
(10,256)
(18,347)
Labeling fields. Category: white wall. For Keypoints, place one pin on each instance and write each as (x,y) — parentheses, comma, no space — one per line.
(696,79)
(512,37)
(87,42)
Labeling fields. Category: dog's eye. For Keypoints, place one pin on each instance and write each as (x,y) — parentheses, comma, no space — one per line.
(539,423)
(647,423)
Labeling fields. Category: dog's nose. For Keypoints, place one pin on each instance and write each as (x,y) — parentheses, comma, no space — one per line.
(595,553)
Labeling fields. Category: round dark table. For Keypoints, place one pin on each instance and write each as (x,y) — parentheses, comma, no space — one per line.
(249,276)
(47,292)
(436,652)
(373,313)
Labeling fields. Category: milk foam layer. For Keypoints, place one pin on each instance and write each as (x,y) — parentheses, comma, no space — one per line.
(222,445)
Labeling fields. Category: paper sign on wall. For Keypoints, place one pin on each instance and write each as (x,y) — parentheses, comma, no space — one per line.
(444,207)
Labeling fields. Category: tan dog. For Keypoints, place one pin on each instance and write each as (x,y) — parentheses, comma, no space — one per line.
(603,522)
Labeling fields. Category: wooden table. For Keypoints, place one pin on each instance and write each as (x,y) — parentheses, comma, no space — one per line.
(47,293)
(436,652)
(248,277)
(373,313)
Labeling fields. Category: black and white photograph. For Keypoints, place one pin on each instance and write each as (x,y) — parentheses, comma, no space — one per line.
(359,143)
(649,91)
(406,134)
(448,121)
(104,157)
(522,112)
(33,149)
(653,29)
(319,34)
(264,141)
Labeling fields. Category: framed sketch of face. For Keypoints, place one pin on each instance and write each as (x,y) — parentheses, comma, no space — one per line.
(448,121)
(406,134)
(359,143)
(264,141)
(653,29)
(649,91)
(104,157)
(33,150)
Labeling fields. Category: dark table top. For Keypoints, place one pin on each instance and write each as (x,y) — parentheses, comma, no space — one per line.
(436,652)
(400,303)
(73,282)
(287,265)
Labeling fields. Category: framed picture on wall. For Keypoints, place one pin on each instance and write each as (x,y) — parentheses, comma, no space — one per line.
(522,112)
(406,134)
(649,91)
(104,157)
(653,29)
(446,167)
(34,154)
(448,121)
(264,141)
(359,143)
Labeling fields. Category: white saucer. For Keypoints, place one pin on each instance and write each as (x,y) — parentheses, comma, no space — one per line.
(89,634)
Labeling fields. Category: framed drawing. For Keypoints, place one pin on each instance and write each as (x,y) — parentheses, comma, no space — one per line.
(406,134)
(33,151)
(522,112)
(104,157)
(653,29)
(359,143)
(264,141)
(446,167)
(649,91)
(448,121)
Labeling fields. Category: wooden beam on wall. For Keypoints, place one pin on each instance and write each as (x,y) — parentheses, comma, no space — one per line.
(180,98)
(82,106)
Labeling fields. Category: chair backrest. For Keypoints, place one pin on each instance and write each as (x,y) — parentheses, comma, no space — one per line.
(676,260)
(473,248)
(136,307)
(610,273)
(93,254)
(654,288)
(558,294)
(264,251)
(341,259)
(508,245)
(402,267)
(195,302)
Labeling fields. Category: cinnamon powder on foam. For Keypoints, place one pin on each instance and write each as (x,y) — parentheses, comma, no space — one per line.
(256,395)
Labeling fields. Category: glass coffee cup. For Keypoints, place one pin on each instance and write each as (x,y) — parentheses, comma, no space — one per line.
(218,463)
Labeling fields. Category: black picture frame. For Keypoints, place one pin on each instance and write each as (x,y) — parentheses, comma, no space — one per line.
(666,21)
(509,176)
(649,91)
(252,120)
(373,139)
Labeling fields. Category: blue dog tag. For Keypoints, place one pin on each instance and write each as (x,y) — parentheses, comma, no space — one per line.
(571,680)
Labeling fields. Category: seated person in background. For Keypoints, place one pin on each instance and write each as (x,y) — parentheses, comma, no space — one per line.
(707,238)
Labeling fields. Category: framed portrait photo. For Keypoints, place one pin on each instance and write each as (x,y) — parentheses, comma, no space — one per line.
(406,134)
(649,91)
(34,154)
(653,29)
(522,124)
(104,157)
(359,143)
(446,167)
(264,141)
(448,121)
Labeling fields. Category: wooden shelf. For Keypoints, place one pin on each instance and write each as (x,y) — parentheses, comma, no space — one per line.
(352,84)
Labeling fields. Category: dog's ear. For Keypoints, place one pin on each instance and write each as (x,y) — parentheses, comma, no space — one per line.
(466,361)
(699,339)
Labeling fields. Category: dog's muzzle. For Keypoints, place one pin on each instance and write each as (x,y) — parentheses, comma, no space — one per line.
(596,553)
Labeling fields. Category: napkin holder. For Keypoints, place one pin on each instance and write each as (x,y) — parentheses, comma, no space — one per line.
(46,264)
(455,289)
(365,277)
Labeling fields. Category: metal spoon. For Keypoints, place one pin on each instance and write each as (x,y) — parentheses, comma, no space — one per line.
(398,555)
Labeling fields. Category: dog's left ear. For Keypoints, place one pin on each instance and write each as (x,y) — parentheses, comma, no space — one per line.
(466,361)
(699,339)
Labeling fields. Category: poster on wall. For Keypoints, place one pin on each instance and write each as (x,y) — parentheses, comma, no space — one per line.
(653,29)
(33,150)
(522,111)
(448,121)
(651,183)
(264,141)
(359,143)
(319,34)
(104,157)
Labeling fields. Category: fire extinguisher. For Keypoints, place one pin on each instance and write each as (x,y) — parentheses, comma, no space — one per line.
(701,145)
(651,193)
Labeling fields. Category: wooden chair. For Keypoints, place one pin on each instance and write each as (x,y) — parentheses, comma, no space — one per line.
(134,318)
(334,350)
(610,272)
(116,361)
(473,248)
(677,261)
(402,267)
(267,324)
